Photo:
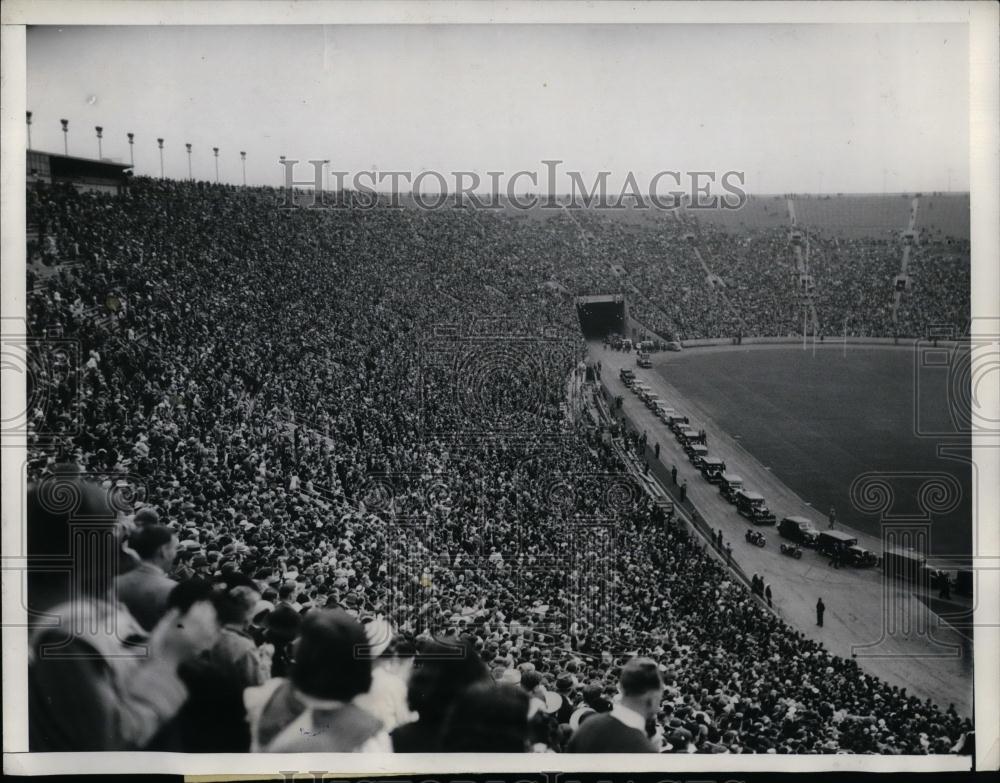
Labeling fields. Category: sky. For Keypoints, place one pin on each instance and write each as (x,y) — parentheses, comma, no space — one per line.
(797,108)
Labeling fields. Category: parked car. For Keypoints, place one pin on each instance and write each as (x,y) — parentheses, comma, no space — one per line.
(729,485)
(904,563)
(686,435)
(937,576)
(627,376)
(641,389)
(696,453)
(663,411)
(830,542)
(643,360)
(676,420)
(753,506)
(651,400)
(712,469)
(798,529)
(859,557)
(673,345)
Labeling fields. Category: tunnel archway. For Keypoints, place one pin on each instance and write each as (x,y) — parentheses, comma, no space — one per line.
(601,315)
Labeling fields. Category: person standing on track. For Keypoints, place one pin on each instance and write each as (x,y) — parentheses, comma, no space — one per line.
(820,609)
(833,517)
(673,474)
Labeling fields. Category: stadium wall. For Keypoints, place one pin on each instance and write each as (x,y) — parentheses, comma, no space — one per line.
(832,340)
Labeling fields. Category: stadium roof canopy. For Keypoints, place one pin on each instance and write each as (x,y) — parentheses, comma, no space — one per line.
(83,173)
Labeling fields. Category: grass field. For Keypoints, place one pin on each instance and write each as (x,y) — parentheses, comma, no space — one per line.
(818,421)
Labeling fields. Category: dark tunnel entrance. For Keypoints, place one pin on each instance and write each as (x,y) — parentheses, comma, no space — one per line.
(601,317)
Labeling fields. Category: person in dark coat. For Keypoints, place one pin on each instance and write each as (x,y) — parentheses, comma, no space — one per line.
(313,710)
(820,609)
(623,730)
(145,589)
(98,694)
(283,624)
(442,671)
(213,719)
(487,717)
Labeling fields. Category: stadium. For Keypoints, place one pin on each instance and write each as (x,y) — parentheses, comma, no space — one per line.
(381,478)
(435,479)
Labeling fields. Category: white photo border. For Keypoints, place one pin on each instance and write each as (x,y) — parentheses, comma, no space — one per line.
(984,163)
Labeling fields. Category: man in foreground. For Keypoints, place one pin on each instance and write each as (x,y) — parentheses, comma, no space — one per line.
(623,730)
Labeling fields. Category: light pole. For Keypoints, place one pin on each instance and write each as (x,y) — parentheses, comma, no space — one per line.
(100,132)
(243,160)
(188,145)
(160,143)
(65,127)
(131,144)
(29,129)
(216,151)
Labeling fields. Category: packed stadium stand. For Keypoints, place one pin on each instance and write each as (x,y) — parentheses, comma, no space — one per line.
(718,273)
(313,402)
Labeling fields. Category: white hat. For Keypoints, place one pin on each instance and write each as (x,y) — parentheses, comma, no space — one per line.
(513,676)
(379,633)
(553,702)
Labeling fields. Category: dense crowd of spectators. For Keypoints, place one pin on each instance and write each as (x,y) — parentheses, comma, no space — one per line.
(693,279)
(344,507)
(937,300)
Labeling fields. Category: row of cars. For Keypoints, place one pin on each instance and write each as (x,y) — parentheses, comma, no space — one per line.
(750,504)
(690,439)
